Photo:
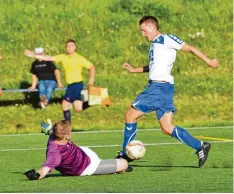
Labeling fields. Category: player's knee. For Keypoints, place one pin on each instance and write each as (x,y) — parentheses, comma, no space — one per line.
(64,107)
(126,117)
(78,110)
(122,165)
(125,164)
(167,130)
(129,117)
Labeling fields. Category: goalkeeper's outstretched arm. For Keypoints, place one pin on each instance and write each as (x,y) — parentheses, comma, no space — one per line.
(43,171)
(32,174)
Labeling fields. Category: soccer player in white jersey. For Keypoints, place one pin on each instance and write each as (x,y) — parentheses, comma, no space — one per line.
(160,92)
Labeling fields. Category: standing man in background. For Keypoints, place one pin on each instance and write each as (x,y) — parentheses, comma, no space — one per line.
(73,64)
(160,92)
(48,75)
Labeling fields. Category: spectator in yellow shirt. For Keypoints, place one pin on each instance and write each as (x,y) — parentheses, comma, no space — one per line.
(73,64)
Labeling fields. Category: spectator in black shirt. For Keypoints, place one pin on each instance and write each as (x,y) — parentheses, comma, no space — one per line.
(48,77)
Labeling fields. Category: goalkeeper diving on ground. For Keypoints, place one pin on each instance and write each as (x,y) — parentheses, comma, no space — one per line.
(71,160)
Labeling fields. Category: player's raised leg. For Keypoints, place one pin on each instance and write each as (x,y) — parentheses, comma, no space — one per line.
(130,129)
(77,104)
(130,125)
(202,148)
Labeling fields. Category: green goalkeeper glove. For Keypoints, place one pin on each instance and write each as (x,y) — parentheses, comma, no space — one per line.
(47,128)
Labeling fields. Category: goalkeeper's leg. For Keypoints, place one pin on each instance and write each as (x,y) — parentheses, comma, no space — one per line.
(111,166)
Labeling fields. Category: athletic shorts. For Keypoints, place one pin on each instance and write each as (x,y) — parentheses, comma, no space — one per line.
(156,97)
(73,92)
(94,162)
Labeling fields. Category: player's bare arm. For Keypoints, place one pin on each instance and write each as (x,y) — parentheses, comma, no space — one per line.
(58,78)
(91,75)
(136,70)
(0,57)
(31,54)
(191,49)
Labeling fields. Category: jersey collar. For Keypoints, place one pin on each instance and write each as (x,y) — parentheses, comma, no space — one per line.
(159,39)
(74,54)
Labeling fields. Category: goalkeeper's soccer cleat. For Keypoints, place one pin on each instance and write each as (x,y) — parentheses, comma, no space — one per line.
(129,169)
(123,156)
(47,128)
(202,154)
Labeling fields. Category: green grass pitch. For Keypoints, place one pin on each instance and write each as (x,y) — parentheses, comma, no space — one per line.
(168,166)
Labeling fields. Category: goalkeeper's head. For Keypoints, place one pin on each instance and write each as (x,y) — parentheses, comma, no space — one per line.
(62,130)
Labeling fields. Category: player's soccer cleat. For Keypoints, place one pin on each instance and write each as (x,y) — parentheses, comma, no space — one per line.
(47,128)
(202,154)
(124,156)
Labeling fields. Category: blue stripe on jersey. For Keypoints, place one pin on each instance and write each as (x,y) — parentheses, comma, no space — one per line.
(159,40)
(151,55)
(175,38)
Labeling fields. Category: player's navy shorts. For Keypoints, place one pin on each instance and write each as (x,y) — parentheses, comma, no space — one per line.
(156,97)
(73,92)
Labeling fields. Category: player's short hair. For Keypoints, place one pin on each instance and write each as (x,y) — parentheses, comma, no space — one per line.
(71,40)
(61,128)
(150,19)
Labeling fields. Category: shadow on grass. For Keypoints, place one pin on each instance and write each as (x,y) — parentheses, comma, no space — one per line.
(176,166)
(81,130)
(55,175)
(47,176)
(18,173)
(163,166)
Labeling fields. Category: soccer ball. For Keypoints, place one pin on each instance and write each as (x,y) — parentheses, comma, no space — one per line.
(135,150)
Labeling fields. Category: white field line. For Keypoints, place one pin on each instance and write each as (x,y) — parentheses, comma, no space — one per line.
(106,146)
(112,131)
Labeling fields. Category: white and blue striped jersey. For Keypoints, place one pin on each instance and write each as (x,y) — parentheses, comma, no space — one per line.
(162,55)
